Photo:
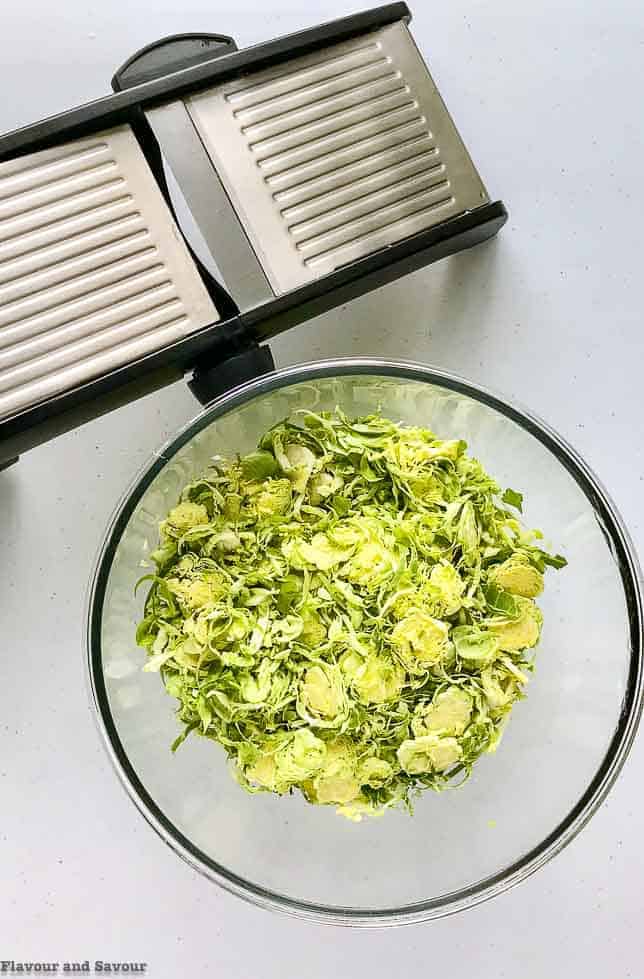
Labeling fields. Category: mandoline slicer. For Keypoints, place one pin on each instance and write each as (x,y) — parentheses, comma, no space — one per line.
(217,198)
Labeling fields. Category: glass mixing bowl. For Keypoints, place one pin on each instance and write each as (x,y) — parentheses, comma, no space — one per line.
(561,752)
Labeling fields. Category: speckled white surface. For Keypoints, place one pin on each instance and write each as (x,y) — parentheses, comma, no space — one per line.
(549,102)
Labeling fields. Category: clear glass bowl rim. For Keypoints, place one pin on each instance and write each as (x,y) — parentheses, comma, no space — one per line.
(624,555)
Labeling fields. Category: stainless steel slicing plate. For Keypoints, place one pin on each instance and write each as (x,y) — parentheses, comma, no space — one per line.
(336,154)
(93,272)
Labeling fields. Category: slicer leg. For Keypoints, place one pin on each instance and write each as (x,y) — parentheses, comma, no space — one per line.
(209,381)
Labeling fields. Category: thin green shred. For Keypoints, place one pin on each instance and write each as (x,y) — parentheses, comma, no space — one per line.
(348,610)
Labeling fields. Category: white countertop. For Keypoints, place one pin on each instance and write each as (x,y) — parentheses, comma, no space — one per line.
(549,100)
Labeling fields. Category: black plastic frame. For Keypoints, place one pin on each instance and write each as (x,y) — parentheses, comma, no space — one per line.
(618,749)
(234,332)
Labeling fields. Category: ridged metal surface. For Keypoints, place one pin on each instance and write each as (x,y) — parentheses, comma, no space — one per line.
(93,273)
(337,154)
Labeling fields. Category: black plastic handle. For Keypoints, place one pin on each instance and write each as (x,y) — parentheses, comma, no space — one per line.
(170,54)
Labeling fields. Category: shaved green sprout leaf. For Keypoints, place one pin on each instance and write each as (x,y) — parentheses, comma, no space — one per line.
(512,498)
(349,611)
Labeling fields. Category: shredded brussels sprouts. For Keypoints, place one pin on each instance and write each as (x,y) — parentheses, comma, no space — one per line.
(349,611)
